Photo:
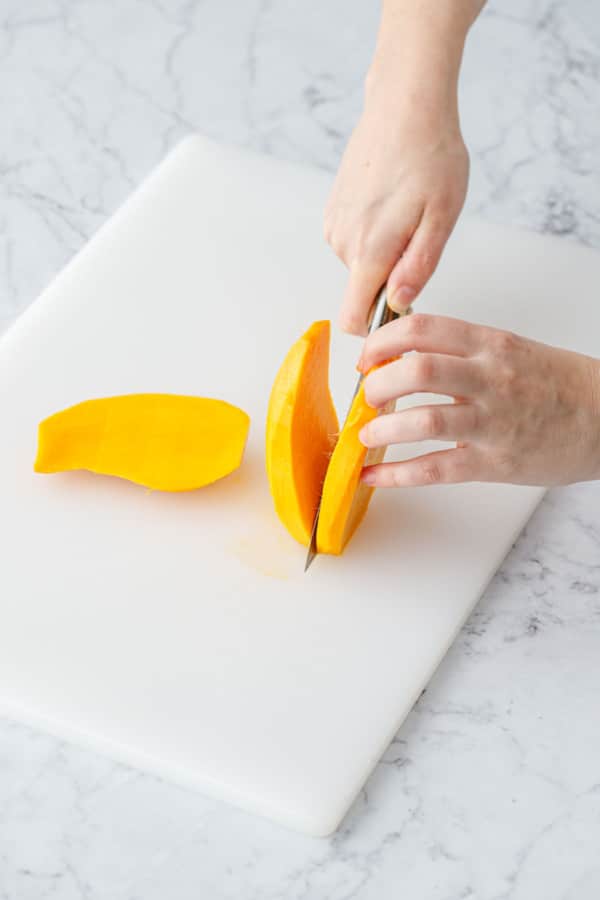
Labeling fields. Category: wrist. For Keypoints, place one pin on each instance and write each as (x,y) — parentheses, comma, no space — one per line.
(415,74)
(418,55)
(404,93)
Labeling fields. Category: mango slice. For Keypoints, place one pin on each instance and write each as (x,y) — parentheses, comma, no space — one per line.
(302,428)
(345,497)
(162,441)
(304,458)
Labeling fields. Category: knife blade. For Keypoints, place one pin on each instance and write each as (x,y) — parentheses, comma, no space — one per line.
(381,314)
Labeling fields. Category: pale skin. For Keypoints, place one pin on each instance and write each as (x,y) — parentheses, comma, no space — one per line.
(519,411)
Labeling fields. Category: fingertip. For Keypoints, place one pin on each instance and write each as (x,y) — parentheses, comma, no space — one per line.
(363,436)
(418,263)
(374,404)
(399,299)
(369,355)
(364,280)
(369,476)
(351,324)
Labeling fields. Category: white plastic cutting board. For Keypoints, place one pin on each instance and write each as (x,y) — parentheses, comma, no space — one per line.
(179,633)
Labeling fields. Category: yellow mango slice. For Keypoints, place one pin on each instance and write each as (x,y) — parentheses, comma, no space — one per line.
(345,497)
(302,428)
(305,461)
(162,441)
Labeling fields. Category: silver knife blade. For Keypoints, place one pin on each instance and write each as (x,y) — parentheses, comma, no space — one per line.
(381,314)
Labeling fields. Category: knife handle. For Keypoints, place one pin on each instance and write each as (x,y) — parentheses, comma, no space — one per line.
(381,313)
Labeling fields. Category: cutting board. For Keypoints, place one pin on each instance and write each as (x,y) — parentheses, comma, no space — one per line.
(179,633)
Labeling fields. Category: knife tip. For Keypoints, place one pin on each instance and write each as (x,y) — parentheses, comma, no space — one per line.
(309,560)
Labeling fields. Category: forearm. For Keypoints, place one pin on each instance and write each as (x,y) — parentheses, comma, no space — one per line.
(419,51)
(594,405)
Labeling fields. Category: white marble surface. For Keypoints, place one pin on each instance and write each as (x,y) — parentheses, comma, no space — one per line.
(491,791)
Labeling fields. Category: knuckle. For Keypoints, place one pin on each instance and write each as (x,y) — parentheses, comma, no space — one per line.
(396,478)
(505,381)
(424,261)
(371,248)
(337,244)
(504,465)
(475,420)
(504,348)
(363,245)
(417,324)
(432,422)
(504,343)
(424,368)
(431,473)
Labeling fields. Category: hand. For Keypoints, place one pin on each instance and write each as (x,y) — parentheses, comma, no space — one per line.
(403,178)
(399,190)
(523,412)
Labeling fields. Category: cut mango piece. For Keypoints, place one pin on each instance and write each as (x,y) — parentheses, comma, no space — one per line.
(305,463)
(345,497)
(302,427)
(162,441)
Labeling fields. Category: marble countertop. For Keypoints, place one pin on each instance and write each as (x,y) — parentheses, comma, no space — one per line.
(491,790)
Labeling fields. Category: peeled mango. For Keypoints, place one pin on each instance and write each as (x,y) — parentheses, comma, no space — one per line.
(162,441)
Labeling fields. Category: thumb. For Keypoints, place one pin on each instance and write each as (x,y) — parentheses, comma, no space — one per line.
(417,264)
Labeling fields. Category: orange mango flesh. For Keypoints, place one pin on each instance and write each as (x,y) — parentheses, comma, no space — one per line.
(302,427)
(305,463)
(345,497)
(162,441)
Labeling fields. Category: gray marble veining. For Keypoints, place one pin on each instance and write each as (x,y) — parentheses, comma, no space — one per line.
(491,790)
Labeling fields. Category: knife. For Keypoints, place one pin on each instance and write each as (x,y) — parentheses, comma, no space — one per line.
(381,314)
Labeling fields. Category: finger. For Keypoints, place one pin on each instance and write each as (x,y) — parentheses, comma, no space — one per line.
(418,263)
(422,332)
(438,422)
(364,282)
(441,467)
(427,373)
(370,265)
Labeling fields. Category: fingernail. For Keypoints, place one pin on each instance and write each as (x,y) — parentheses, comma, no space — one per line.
(368,477)
(402,298)
(360,365)
(363,436)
